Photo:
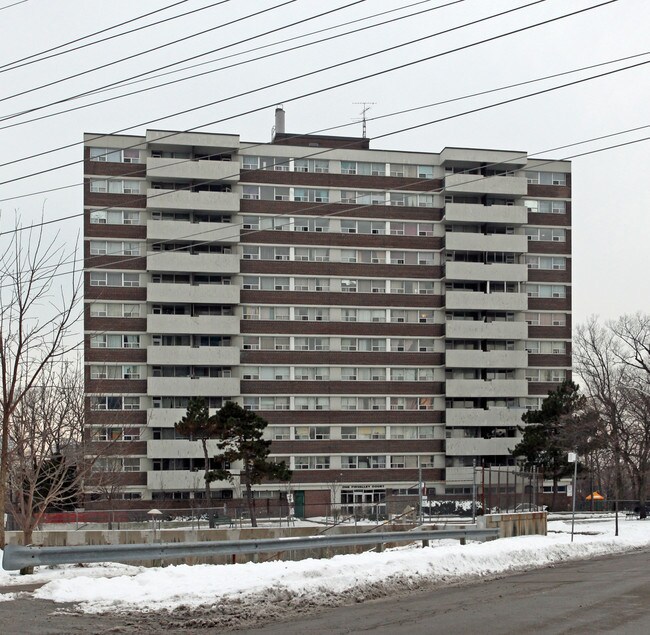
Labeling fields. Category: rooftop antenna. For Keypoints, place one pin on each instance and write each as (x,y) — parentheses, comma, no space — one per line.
(366,107)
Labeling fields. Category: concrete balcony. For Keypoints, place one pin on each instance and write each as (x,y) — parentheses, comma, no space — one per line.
(457,475)
(479,388)
(179,449)
(181,324)
(470,447)
(178,261)
(474,213)
(181,480)
(210,232)
(486,359)
(186,200)
(207,142)
(486,301)
(191,356)
(164,417)
(510,243)
(197,294)
(494,272)
(161,169)
(507,159)
(477,184)
(494,417)
(194,386)
(465,329)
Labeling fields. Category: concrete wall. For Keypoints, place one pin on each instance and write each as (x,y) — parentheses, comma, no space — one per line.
(509,525)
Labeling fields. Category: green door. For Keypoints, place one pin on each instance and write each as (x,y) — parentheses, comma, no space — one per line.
(299,504)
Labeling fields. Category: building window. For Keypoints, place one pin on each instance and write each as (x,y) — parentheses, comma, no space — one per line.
(545,178)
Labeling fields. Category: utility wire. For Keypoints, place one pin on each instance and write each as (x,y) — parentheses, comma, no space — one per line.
(328,88)
(346,210)
(453,116)
(85,37)
(124,83)
(155,48)
(7,68)
(365,18)
(325,151)
(357,207)
(8,6)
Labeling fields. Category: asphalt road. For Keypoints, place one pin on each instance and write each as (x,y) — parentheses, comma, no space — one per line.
(607,595)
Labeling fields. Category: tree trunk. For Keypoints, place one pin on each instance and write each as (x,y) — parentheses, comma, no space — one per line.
(251,503)
(554,494)
(642,497)
(4,475)
(208,497)
(27,540)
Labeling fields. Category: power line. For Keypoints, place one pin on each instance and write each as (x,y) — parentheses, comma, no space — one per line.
(85,37)
(127,82)
(358,207)
(7,67)
(326,150)
(8,6)
(331,87)
(453,116)
(155,48)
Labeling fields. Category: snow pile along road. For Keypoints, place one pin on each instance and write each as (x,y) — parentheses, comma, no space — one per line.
(124,588)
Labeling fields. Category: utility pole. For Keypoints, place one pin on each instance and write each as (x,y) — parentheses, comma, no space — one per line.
(473,490)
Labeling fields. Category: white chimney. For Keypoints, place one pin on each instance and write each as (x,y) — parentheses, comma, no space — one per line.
(279,120)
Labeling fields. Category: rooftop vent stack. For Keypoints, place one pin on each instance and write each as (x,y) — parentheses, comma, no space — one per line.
(279,120)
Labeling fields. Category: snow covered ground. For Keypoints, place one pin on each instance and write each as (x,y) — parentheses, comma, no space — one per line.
(112,587)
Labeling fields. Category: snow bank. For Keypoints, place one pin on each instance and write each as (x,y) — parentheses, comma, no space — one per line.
(118,587)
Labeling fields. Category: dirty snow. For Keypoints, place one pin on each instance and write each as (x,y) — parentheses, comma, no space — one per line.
(113,587)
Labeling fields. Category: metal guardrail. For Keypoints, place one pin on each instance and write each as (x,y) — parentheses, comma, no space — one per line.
(18,557)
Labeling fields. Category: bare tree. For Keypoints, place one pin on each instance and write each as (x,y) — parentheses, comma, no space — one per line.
(36,319)
(611,363)
(48,463)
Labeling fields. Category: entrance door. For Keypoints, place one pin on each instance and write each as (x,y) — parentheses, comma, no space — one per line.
(299,504)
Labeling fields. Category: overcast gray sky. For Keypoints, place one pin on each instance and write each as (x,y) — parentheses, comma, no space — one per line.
(611,194)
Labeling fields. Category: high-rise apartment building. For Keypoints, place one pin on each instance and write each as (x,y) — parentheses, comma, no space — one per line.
(390,313)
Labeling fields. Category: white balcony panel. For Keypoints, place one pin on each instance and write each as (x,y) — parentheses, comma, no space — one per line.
(474,213)
(191,356)
(179,448)
(466,329)
(198,294)
(186,200)
(480,388)
(463,241)
(206,324)
(181,480)
(475,183)
(202,141)
(480,417)
(486,301)
(470,447)
(486,359)
(194,387)
(196,263)
(161,169)
(495,272)
(203,232)
(455,475)
(166,418)
(507,159)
